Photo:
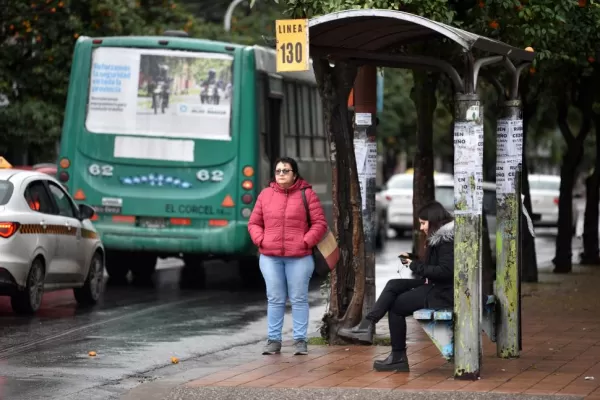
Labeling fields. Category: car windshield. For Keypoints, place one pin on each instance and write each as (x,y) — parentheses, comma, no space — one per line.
(400,182)
(544,184)
(6,189)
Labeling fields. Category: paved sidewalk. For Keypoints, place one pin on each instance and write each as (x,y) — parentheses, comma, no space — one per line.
(561,356)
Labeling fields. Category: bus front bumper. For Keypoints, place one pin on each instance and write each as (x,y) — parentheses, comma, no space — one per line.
(228,240)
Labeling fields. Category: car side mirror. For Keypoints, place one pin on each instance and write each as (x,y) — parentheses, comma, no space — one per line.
(85,212)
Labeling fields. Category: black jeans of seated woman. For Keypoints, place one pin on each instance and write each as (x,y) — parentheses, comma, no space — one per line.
(402,297)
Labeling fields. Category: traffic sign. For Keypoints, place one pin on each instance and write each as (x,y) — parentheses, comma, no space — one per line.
(4,164)
(292,45)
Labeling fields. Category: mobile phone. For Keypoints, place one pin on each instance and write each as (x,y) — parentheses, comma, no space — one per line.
(409,255)
(403,259)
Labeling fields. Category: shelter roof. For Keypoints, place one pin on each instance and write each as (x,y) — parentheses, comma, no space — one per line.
(376,31)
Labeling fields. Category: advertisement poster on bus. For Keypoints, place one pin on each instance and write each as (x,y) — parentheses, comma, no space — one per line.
(160,93)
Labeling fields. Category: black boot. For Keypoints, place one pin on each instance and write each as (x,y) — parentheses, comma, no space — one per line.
(396,361)
(362,332)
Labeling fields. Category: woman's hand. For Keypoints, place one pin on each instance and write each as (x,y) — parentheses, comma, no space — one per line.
(404,258)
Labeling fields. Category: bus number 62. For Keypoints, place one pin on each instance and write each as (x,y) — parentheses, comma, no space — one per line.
(205,175)
(102,170)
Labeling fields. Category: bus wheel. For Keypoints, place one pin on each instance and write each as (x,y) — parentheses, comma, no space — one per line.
(193,274)
(250,272)
(143,267)
(117,266)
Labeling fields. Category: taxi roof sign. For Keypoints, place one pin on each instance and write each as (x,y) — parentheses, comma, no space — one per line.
(4,164)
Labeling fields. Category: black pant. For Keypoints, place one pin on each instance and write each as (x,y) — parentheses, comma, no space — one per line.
(400,298)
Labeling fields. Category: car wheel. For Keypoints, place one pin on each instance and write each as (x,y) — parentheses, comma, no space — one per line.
(91,290)
(28,301)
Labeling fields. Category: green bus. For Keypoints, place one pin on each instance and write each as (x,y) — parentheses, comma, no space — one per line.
(171,139)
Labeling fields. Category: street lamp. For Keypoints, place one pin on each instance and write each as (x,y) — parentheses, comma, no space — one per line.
(229,14)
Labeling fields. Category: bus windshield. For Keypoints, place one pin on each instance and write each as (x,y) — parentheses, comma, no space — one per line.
(159,93)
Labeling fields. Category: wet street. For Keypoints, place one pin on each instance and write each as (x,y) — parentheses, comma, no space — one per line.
(135,331)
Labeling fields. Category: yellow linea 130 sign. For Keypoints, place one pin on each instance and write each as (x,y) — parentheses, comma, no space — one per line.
(292,45)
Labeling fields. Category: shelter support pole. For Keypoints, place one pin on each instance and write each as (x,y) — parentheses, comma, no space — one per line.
(468,194)
(365,147)
(509,147)
(509,159)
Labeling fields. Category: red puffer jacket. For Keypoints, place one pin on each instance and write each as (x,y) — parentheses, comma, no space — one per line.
(278,224)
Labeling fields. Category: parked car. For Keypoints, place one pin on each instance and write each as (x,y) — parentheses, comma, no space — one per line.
(398,192)
(545,190)
(47,242)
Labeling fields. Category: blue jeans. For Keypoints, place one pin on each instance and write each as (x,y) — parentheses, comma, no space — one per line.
(287,276)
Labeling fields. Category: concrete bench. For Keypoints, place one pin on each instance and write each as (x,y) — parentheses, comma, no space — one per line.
(439,325)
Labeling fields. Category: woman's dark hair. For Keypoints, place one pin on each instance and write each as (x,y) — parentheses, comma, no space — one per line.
(287,160)
(437,216)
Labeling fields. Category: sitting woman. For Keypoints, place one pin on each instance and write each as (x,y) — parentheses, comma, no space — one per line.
(401,297)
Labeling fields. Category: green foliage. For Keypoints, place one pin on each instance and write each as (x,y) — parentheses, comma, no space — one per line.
(398,121)
(317,341)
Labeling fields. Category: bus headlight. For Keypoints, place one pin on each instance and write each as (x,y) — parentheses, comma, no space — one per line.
(246,212)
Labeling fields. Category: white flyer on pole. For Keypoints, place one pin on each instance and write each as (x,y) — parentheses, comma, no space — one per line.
(468,169)
(360,153)
(509,154)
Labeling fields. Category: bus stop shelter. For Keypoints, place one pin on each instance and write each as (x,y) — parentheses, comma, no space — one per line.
(381,38)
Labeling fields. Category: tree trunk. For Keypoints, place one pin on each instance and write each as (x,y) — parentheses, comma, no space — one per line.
(390,161)
(348,279)
(592,198)
(529,269)
(571,159)
(424,97)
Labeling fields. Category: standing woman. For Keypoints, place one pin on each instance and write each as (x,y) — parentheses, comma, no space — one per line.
(279,227)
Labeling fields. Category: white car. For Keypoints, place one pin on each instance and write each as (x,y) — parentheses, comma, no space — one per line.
(47,242)
(398,192)
(544,191)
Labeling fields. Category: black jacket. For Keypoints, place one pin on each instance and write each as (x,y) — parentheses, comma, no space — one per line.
(438,268)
